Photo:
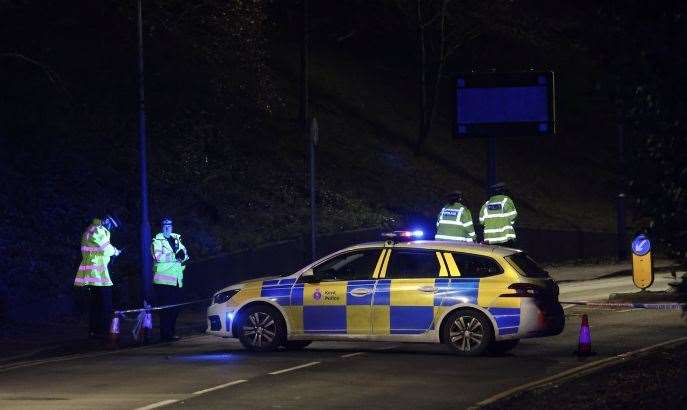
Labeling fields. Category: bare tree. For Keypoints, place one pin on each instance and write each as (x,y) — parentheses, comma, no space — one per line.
(443,27)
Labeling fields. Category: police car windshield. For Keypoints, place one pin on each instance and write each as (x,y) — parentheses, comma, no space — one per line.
(527,265)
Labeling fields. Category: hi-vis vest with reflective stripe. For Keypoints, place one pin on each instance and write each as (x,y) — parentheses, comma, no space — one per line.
(167,269)
(498,216)
(96,251)
(455,223)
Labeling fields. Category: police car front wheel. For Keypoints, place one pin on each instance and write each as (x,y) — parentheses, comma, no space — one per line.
(261,329)
(467,332)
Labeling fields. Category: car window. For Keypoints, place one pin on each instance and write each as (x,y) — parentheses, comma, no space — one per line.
(476,266)
(527,265)
(348,266)
(406,264)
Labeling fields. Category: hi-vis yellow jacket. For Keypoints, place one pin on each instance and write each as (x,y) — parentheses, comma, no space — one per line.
(96,251)
(498,215)
(168,270)
(454,223)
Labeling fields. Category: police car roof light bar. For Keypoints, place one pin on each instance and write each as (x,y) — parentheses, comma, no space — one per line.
(403,235)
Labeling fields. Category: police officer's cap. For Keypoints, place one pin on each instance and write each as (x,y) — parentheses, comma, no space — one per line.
(454,196)
(499,186)
(112,221)
(166,221)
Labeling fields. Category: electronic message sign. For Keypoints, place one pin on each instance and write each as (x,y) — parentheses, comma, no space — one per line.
(505,104)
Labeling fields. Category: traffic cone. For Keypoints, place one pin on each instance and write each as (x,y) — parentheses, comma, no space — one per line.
(114,333)
(584,347)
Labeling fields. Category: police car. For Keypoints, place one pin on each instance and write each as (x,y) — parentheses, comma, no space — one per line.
(472,297)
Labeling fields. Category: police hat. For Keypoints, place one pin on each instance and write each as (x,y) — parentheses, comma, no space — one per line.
(166,221)
(112,221)
(454,196)
(497,188)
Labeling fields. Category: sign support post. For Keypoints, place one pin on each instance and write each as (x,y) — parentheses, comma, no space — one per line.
(491,164)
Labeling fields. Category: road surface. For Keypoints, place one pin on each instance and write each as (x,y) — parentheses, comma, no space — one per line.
(206,372)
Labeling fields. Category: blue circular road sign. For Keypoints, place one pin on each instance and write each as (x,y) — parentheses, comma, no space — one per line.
(641,245)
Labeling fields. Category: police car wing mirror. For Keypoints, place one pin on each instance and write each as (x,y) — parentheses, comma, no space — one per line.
(326,275)
(309,277)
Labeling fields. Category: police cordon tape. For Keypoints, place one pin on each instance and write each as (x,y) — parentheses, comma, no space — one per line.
(151,308)
(657,306)
(144,320)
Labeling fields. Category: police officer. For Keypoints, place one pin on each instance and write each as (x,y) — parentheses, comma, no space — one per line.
(455,220)
(170,256)
(498,216)
(93,274)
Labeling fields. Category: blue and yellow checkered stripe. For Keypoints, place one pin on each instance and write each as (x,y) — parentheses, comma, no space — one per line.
(393,306)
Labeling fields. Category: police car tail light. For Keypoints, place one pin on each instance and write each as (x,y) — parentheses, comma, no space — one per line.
(523,290)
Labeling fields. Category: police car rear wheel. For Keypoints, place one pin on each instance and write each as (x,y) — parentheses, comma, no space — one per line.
(467,332)
(262,329)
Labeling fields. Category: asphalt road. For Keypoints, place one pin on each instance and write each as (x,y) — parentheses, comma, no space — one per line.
(206,372)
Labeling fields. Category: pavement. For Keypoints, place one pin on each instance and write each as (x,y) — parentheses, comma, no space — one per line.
(31,341)
(587,271)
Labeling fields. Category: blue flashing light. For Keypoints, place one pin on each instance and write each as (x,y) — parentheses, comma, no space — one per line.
(404,235)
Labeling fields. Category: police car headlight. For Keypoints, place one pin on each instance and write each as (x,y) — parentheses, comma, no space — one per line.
(224,296)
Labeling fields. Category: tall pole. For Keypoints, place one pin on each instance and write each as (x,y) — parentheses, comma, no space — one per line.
(146,271)
(305,110)
(491,163)
(305,117)
(313,205)
(620,202)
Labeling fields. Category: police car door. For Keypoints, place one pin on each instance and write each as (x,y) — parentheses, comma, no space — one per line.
(337,299)
(406,292)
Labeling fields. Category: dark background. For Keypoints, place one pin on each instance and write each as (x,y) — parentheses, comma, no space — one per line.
(227,157)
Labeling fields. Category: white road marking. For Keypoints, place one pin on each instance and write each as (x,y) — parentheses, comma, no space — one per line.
(352,354)
(158,404)
(221,386)
(294,368)
(575,371)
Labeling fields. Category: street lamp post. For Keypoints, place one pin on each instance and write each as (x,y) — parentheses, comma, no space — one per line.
(146,270)
(314,136)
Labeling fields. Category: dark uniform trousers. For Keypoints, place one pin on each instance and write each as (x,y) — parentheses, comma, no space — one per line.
(99,309)
(168,295)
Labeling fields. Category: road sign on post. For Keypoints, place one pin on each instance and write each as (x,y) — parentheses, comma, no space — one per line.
(314,137)
(494,104)
(642,264)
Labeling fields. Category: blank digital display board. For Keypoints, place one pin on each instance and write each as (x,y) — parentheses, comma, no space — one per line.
(505,104)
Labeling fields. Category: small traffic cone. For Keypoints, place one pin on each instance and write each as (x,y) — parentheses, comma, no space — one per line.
(114,333)
(584,347)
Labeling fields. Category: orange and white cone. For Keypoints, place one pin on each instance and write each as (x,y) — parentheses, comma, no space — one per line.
(584,346)
(114,333)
